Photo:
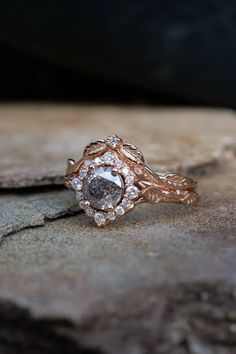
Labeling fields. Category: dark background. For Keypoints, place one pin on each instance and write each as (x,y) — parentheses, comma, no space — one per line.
(164,52)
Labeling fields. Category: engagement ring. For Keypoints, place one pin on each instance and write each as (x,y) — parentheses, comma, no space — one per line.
(111,179)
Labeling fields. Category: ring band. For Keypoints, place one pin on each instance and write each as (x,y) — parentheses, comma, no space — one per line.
(111,178)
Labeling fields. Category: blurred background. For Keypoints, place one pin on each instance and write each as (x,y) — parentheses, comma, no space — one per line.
(171,52)
(162,75)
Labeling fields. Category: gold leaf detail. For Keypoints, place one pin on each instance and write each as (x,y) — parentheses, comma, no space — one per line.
(132,153)
(178,182)
(152,194)
(95,147)
(190,198)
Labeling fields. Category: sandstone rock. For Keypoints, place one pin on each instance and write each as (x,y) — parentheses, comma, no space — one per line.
(37,140)
(159,280)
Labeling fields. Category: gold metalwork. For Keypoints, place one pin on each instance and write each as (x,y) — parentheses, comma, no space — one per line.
(154,187)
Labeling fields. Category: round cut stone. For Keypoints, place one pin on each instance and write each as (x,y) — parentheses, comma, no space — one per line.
(83,172)
(129,180)
(111,215)
(120,210)
(79,196)
(127,204)
(89,211)
(84,204)
(109,156)
(132,192)
(118,164)
(100,219)
(103,188)
(76,184)
(113,141)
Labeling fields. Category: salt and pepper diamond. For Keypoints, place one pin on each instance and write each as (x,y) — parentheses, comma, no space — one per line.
(105,187)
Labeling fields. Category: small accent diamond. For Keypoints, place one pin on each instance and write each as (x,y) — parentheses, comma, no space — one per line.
(79,196)
(87,163)
(109,156)
(118,164)
(100,219)
(132,192)
(89,211)
(97,161)
(111,215)
(120,210)
(112,141)
(84,204)
(76,184)
(127,204)
(129,179)
(125,171)
(83,172)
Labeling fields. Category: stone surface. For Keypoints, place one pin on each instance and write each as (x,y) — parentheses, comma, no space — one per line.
(153,271)
(22,210)
(37,140)
(159,280)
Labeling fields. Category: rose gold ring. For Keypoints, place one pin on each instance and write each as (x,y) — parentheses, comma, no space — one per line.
(111,178)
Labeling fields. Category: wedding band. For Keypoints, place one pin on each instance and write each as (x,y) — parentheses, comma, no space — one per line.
(111,178)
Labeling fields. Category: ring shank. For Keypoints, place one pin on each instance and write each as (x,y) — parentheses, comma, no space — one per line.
(169,188)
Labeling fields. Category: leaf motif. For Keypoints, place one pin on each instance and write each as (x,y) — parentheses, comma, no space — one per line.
(95,147)
(152,194)
(190,198)
(178,181)
(132,153)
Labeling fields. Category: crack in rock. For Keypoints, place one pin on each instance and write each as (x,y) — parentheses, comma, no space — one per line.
(196,141)
(19,211)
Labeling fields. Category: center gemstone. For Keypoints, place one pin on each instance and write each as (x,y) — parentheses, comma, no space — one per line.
(103,188)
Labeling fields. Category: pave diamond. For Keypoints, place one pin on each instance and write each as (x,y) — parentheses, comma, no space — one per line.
(132,192)
(79,196)
(113,141)
(89,211)
(97,160)
(103,188)
(87,163)
(127,204)
(100,219)
(84,204)
(109,156)
(111,215)
(118,164)
(76,184)
(129,179)
(83,172)
(120,210)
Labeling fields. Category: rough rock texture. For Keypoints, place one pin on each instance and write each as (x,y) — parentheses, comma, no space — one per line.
(37,140)
(160,280)
(22,210)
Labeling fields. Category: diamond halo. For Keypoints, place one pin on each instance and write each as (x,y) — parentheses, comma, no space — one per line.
(105,187)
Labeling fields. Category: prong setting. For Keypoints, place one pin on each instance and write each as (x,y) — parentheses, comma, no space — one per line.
(119,179)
